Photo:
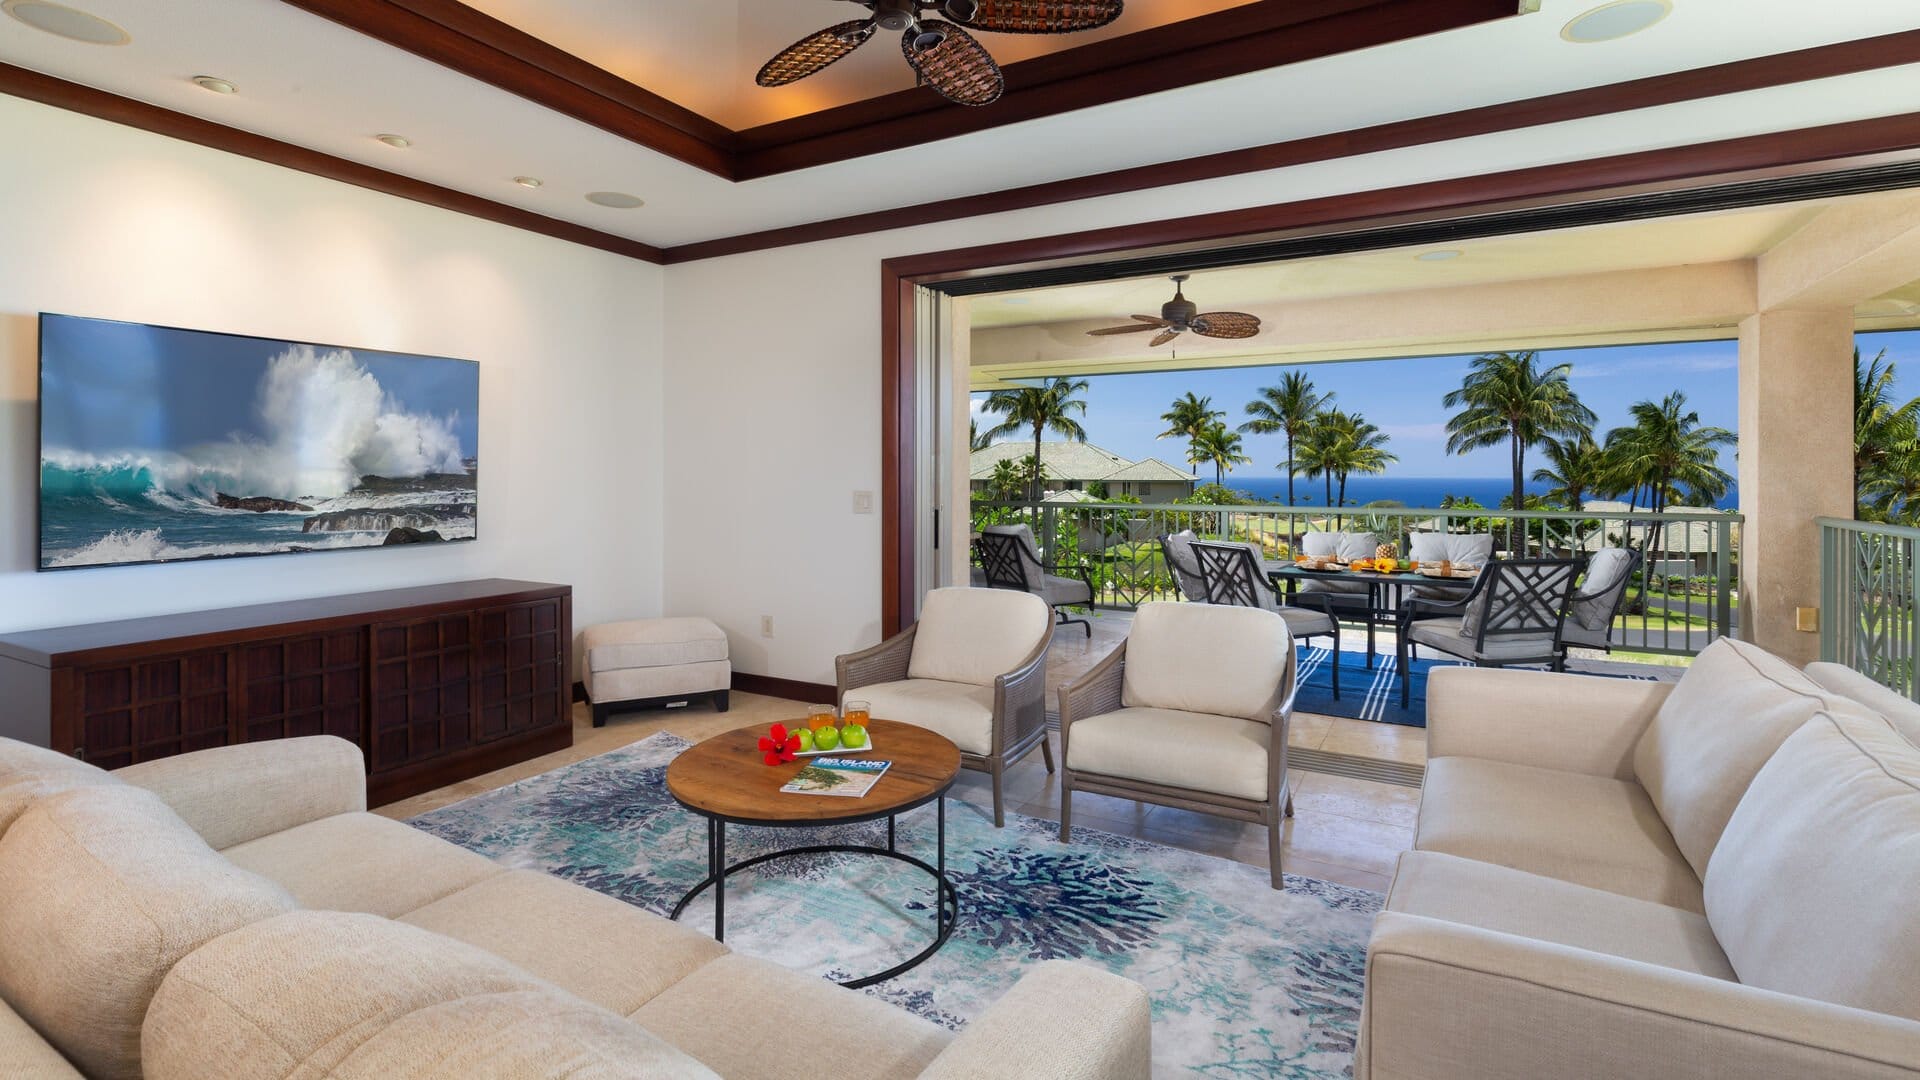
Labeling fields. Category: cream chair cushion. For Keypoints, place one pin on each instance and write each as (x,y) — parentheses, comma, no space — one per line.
(1474,549)
(1591,830)
(1205,658)
(29,772)
(1225,755)
(1812,889)
(1723,720)
(963,712)
(1599,594)
(105,889)
(24,1055)
(363,862)
(323,993)
(976,635)
(1848,683)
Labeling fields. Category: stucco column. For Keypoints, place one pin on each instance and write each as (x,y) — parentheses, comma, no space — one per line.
(1796,464)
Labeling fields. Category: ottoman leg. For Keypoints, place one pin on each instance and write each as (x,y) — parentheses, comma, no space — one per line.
(719,701)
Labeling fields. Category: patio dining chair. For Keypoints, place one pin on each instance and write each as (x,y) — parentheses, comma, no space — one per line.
(1598,599)
(1230,574)
(1471,549)
(1176,549)
(1354,599)
(1010,559)
(1513,617)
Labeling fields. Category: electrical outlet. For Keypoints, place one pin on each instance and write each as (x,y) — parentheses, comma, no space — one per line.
(766,626)
(1806,620)
(863,502)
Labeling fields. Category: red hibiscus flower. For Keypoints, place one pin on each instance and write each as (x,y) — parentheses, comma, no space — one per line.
(778,745)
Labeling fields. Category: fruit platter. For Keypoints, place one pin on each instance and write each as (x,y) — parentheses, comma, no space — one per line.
(816,736)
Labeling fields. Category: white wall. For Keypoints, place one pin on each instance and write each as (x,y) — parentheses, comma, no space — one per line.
(102,220)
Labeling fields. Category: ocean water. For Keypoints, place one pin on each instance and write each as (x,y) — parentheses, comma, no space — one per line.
(1419,492)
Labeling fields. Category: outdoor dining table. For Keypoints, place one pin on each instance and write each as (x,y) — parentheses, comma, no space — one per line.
(1288,575)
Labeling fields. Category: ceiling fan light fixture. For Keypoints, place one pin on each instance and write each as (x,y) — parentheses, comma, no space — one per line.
(960,10)
(928,39)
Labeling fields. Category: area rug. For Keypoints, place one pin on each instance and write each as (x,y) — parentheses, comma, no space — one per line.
(1365,694)
(1245,981)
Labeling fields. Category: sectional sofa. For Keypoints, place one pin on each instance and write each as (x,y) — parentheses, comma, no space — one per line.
(1717,878)
(236,913)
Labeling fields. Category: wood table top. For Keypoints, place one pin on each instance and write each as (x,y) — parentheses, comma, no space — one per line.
(727,777)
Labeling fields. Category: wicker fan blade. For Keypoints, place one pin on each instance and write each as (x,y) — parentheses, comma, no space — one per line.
(1153,319)
(1163,337)
(1140,328)
(1034,16)
(1226,324)
(814,52)
(958,66)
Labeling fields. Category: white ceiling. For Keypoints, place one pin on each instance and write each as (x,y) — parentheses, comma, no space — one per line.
(309,81)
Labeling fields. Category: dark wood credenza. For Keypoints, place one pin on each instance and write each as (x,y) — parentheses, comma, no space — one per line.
(436,683)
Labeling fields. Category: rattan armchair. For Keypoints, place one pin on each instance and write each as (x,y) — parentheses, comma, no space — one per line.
(974,669)
(1152,733)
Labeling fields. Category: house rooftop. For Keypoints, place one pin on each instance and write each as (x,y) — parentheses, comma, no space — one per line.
(1060,460)
(1149,470)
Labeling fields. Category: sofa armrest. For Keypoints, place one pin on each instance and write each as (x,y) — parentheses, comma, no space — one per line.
(1574,723)
(1446,1000)
(232,794)
(885,662)
(1062,1021)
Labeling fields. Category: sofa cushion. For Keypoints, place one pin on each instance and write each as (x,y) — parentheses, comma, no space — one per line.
(363,862)
(1225,755)
(29,772)
(1839,679)
(1589,830)
(233,794)
(1723,720)
(976,635)
(1508,901)
(324,993)
(781,1035)
(643,643)
(963,712)
(106,889)
(1206,658)
(24,1055)
(608,952)
(1811,892)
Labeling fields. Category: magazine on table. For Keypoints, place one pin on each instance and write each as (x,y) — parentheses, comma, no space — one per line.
(837,776)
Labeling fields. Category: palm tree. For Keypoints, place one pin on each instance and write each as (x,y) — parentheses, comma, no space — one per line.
(1886,440)
(1220,446)
(1290,408)
(1008,477)
(976,441)
(1667,451)
(1576,468)
(1050,407)
(1506,397)
(1189,417)
(1354,446)
(1318,454)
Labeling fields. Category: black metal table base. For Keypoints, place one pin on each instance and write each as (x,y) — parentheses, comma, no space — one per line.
(947,898)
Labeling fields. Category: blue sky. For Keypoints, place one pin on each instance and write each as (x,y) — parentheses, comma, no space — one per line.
(112,386)
(1403,398)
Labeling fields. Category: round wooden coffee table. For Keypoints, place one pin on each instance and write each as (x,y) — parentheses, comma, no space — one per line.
(726,781)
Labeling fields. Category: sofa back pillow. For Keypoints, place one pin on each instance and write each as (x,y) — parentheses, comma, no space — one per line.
(1206,658)
(106,889)
(975,635)
(29,772)
(1724,719)
(1899,709)
(1811,891)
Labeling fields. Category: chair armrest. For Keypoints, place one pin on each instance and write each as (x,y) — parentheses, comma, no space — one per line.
(1062,1021)
(1448,1000)
(1414,604)
(1094,693)
(232,794)
(1575,723)
(885,662)
(1020,699)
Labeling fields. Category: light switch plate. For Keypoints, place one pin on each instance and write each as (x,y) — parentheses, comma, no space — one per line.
(1806,619)
(863,502)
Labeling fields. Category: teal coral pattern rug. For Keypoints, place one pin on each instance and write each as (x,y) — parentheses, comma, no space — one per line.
(1245,981)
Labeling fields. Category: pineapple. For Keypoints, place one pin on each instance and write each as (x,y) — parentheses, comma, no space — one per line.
(1386,551)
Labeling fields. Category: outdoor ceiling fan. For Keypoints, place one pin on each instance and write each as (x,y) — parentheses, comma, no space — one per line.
(942,52)
(1179,315)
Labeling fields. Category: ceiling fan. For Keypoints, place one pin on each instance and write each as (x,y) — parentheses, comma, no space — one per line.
(1180,314)
(942,52)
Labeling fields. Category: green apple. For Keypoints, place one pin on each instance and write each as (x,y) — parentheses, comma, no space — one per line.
(806,740)
(853,736)
(827,738)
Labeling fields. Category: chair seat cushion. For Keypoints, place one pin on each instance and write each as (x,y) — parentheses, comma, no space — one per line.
(1223,755)
(1445,635)
(362,862)
(1058,590)
(1584,638)
(1304,621)
(962,712)
(1590,830)
(24,1054)
(1509,901)
(1359,589)
(606,951)
(642,643)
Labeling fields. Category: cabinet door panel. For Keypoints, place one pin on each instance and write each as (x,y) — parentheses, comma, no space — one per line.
(521,654)
(310,684)
(423,690)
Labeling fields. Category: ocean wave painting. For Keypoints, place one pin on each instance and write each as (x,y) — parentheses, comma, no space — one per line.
(160,445)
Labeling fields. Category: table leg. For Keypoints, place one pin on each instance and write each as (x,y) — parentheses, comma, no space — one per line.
(1373,619)
(719,880)
(889,832)
(940,818)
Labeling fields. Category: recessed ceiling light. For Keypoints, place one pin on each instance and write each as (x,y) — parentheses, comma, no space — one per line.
(66,22)
(398,142)
(1615,20)
(618,200)
(215,84)
(1444,255)
(527,181)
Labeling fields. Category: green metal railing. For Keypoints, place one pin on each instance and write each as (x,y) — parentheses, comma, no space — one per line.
(1869,617)
(1684,598)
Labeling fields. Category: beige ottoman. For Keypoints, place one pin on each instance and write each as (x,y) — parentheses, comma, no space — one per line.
(652,662)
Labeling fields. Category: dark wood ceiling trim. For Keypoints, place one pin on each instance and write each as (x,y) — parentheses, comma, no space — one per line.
(33,86)
(1821,62)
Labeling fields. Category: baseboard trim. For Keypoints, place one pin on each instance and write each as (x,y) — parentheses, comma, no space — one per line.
(791,689)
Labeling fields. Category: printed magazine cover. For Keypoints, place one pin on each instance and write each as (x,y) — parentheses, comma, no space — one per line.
(837,776)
